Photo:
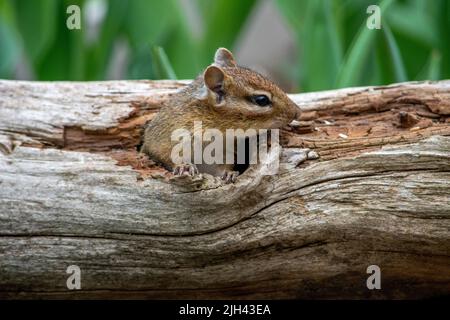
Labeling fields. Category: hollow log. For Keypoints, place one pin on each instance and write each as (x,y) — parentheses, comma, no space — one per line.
(364,180)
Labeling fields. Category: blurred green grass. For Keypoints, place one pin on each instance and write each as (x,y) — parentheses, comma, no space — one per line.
(335,47)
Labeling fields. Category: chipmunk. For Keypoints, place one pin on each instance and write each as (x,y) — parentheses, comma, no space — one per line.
(225,96)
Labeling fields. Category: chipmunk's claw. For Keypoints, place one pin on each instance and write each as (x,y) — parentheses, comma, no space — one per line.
(188,168)
(230,176)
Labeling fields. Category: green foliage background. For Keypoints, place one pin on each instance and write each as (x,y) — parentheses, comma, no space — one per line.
(335,47)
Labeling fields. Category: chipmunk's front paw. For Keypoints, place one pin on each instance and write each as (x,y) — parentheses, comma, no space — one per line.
(230,176)
(185,168)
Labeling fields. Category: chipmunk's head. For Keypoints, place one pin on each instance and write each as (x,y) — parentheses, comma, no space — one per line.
(244,96)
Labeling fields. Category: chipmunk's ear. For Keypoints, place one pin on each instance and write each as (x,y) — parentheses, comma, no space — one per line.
(224,58)
(214,78)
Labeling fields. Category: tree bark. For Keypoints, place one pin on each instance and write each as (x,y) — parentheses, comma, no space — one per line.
(364,180)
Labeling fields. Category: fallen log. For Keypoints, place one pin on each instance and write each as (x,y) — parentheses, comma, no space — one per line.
(364,180)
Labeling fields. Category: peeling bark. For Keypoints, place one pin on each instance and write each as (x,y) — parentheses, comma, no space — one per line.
(364,179)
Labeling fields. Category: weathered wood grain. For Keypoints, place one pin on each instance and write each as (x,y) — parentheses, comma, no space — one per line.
(72,191)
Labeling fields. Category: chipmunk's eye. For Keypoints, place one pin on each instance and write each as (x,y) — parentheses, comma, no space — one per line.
(260,100)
